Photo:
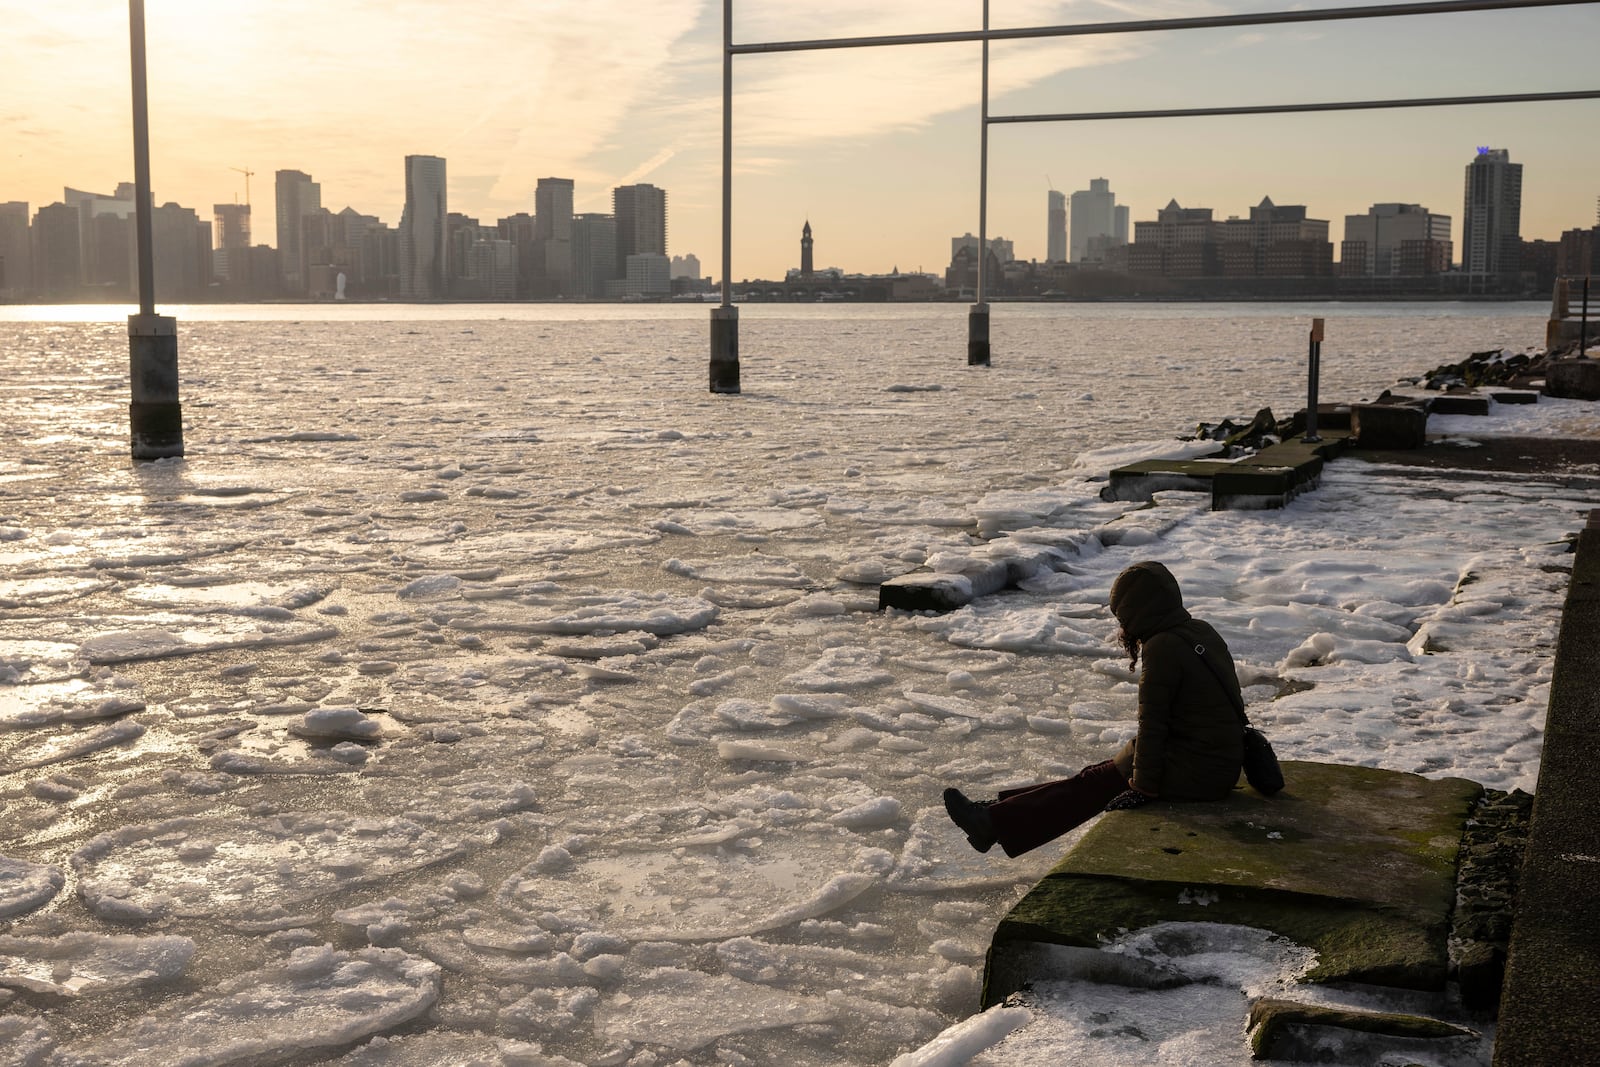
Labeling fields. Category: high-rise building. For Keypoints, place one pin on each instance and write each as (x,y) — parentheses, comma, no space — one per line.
(552,222)
(1395,241)
(1055,228)
(1095,214)
(1491,217)
(594,254)
(230,259)
(16,253)
(641,214)
(519,229)
(424,259)
(297,197)
(808,263)
(56,250)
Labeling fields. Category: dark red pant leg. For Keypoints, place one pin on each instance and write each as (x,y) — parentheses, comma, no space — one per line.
(1024,819)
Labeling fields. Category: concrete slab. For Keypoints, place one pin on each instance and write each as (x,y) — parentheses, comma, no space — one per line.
(1356,863)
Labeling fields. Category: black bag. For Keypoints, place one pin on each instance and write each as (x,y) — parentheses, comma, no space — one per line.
(1261,768)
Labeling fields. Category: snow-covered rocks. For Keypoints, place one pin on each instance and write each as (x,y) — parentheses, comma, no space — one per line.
(80,964)
(338,724)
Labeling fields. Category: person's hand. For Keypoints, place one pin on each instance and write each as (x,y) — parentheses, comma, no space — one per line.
(1128,799)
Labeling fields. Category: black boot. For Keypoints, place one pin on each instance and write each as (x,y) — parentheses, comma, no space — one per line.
(973,818)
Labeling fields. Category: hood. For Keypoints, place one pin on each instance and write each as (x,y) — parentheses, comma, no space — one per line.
(1146,600)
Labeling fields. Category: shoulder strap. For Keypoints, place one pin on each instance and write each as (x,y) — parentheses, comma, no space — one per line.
(1235,698)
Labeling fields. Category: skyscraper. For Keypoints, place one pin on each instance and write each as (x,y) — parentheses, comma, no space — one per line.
(297,197)
(594,254)
(1491,217)
(1098,224)
(552,229)
(641,214)
(230,260)
(16,255)
(424,260)
(1056,227)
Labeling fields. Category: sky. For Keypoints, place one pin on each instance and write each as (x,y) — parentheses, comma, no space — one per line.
(877,148)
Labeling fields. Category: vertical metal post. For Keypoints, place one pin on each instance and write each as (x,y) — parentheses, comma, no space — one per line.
(1583,321)
(155,418)
(1315,374)
(978,317)
(725,319)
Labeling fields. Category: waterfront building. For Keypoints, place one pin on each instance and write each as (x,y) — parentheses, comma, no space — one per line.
(1098,222)
(57,251)
(229,259)
(105,238)
(649,275)
(296,197)
(16,253)
(999,247)
(520,229)
(1056,227)
(594,254)
(641,214)
(807,261)
(1578,254)
(1491,217)
(552,214)
(1273,242)
(180,252)
(687,266)
(491,269)
(423,240)
(1395,241)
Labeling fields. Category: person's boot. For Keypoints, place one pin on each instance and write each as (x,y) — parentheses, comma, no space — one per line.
(973,818)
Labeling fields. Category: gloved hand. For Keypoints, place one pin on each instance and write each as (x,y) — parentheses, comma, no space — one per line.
(1129,799)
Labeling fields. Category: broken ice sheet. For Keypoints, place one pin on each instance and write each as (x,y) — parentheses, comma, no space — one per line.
(79,963)
(671,1008)
(25,886)
(241,867)
(317,998)
(679,894)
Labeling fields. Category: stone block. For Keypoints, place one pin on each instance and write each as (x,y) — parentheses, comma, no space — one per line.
(1459,404)
(1573,379)
(1514,396)
(1389,425)
(1304,1033)
(1356,863)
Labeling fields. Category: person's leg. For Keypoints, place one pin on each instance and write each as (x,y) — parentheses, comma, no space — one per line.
(1024,819)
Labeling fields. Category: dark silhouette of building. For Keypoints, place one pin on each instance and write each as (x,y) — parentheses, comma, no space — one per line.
(641,214)
(807,264)
(1491,227)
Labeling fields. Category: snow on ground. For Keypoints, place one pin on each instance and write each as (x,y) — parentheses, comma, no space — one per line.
(537,711)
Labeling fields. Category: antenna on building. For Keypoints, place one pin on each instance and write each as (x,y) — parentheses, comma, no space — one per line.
(246,172)
(1049,184)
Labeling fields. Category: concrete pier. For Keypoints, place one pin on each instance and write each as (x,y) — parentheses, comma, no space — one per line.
(155,417)
(725,349)
(978,336)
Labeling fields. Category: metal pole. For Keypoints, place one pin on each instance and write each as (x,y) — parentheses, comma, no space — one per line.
(155,418)
(1315,373)
(725,319)
(978,317)
(1583,321)
(141,161)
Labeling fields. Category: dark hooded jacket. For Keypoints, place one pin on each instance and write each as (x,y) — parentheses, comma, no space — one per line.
(1191,740)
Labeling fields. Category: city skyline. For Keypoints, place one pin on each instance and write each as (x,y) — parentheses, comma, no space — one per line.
(878,148)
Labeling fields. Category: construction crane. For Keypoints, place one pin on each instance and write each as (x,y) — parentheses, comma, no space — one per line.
(246,174)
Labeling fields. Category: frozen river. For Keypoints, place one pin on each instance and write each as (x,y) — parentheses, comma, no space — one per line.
(481,681)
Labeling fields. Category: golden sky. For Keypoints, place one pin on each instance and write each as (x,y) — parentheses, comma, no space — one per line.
(878,148)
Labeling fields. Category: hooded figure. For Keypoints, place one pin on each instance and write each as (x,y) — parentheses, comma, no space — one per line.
(1190,744)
